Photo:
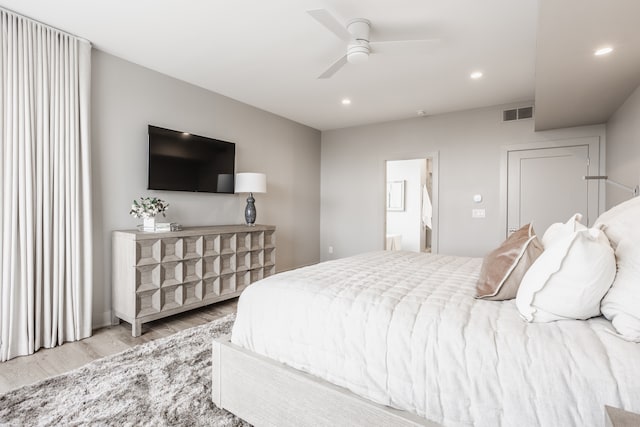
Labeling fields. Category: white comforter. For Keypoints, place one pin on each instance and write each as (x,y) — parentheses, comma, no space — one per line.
(403,329)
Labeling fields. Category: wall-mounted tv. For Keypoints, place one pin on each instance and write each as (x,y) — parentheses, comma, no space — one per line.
(181,161)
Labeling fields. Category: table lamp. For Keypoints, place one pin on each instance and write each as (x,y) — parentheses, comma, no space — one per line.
(249,182)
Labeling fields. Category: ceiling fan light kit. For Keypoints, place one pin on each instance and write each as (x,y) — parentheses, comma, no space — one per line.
(358,53)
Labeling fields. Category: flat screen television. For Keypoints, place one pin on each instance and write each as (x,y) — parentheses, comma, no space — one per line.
(181,161)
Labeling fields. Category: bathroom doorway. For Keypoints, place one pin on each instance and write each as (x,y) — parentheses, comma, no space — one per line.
(411,204)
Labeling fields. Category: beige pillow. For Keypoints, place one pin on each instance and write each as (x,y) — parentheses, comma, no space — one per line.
(504,268)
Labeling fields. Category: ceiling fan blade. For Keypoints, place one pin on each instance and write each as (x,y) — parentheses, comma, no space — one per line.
(401,46)
(334,68)
(331,23)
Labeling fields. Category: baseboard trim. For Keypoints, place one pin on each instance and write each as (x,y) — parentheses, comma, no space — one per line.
(101,321)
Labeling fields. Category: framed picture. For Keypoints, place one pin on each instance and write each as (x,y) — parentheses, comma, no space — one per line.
(395,196)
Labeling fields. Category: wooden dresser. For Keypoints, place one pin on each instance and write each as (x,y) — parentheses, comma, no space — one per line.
(160,274)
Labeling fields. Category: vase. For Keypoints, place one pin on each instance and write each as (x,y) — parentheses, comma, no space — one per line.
(149,224)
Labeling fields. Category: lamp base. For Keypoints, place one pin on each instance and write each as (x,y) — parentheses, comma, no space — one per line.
(250,212)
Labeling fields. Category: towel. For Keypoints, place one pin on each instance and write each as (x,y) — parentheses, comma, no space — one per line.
(427,209)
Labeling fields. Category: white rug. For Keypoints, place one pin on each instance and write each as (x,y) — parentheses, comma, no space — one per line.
(166,382)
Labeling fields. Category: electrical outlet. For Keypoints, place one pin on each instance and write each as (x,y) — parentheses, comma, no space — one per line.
(478,213)
(330,249)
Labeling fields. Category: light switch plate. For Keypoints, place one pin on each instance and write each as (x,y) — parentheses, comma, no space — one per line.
(478,213)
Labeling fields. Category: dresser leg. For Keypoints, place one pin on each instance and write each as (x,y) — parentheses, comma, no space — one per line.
(136,328)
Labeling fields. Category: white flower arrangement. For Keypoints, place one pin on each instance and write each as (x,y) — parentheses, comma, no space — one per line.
(148,207)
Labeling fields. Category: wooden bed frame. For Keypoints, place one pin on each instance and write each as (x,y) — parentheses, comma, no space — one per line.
(264,392)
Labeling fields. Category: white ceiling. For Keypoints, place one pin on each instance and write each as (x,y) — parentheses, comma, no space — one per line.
(269,53)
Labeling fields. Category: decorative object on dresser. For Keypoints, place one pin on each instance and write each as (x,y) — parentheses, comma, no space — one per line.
(161,274)
(248,182)
(147,209)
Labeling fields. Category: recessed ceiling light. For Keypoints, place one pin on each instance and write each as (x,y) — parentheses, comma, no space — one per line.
(186,133)
(603,51)
(476,75)
(346,101)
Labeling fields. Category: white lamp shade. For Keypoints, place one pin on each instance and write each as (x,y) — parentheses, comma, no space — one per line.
(248,182)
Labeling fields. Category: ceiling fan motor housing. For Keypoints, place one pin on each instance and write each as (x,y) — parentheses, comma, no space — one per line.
(358,49)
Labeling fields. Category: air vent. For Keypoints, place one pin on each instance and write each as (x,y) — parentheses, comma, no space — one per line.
(525,113)
(517,114)
(509,115)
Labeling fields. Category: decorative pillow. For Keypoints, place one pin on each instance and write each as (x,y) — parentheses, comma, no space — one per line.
(618,221)
(558,231)
(569,279)
(622,304)
(503,269)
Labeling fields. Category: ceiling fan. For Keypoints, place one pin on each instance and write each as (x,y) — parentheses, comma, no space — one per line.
(356,34)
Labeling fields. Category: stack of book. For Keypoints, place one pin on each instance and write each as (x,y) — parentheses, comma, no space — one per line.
(163,226)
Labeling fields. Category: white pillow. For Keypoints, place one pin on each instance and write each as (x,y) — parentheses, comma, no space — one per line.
(618,221)
(558,231)
(569,279)
(622,304)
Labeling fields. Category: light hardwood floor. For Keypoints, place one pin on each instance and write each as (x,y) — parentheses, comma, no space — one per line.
(47,363)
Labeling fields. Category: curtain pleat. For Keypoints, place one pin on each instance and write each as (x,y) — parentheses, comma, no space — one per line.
(45,216)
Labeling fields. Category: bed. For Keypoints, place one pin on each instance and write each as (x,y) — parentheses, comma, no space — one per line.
(400,335)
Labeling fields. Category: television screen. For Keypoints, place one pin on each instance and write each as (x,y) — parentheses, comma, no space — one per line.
(181,161)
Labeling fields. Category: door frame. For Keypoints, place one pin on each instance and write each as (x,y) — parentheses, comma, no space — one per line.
(435,198)
(596,157)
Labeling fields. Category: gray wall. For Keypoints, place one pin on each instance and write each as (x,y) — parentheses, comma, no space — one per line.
(127,97)
(470,144)
(623,148)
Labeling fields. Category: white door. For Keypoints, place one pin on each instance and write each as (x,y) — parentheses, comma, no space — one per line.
(546,185)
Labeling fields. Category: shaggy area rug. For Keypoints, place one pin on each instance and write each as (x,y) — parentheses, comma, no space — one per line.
(159,383)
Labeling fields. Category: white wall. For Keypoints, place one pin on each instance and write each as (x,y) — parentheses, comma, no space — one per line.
(623,148)
(127,97)
(408,222)
(470,144)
